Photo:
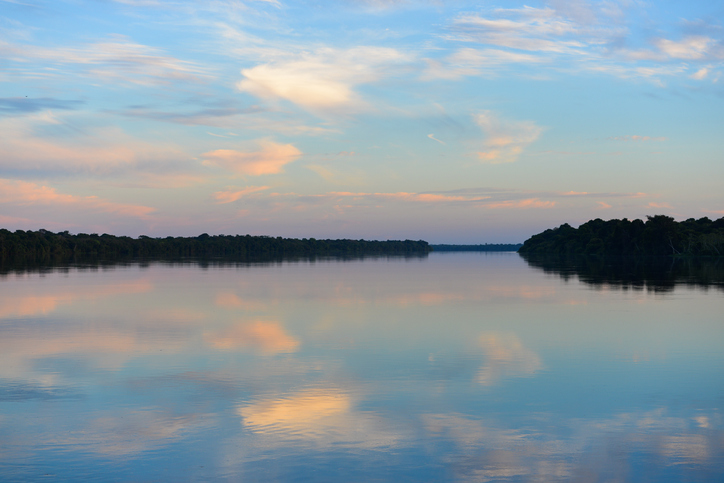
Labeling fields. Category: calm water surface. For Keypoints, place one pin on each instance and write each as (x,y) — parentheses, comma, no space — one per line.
(459,366)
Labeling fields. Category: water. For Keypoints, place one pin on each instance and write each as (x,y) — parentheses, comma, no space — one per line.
(455,367)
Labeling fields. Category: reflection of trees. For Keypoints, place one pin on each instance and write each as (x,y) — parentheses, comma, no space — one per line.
(653,273)
(94,263)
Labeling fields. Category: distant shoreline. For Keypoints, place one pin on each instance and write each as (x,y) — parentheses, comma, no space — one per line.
(487,247)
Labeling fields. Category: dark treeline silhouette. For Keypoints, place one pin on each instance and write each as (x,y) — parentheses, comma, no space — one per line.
(660,235)
(488,247)
(42,246)
(660,274)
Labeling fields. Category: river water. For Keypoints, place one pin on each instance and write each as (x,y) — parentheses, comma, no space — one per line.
(451,367)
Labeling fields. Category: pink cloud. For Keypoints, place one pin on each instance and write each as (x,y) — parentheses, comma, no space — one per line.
(404,196)
(269,159)
(529,203)
(231,195)
(26,193)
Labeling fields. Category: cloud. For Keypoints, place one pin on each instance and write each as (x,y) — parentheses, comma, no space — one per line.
(574,35)
(527,203)
(578,10)
(269,159)
(20,105)
(231,194)
(13,192)
(690,48)
(530,29)
(505,140)
(700,74)
(432,136)
(218,116)
(401,196)
(116,59)
(51,144)
(323,81)
(475,62)
(637,138)
(662,205)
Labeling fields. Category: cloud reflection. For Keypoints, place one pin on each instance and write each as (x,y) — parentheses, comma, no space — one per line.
(552,449)
(12,305)
(322,415)
(266,337)
(506,356)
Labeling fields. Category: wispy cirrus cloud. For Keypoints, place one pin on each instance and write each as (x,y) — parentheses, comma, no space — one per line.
(572,36)
(476,62)
(233,194)
(637,138)
(117,59)
(207,116)
(504,140)
(527,203)
(13,106)
(528,28)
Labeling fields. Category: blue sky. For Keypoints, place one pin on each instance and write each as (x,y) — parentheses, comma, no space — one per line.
(449,121)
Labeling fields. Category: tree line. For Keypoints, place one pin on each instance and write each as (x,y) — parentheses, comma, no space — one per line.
(45,246)
(659,235)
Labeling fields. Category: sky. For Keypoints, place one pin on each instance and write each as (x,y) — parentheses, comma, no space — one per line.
(447,121)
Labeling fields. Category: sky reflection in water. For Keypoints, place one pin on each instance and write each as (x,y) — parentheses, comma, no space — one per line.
(461,366)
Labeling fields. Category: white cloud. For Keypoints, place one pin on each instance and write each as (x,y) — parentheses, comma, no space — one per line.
(691,48)
(270,158)
(572,36)
(473,62)
(530,29)
(700,74)
(323,81)
(505,140)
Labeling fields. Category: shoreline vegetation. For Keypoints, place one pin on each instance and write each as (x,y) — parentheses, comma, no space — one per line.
(658,236)
(45,247)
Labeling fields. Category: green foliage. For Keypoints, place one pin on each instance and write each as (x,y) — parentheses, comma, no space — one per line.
(44,246)
(660,235)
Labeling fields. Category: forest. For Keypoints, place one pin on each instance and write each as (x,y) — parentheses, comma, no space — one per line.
(43,246)
(659,235)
